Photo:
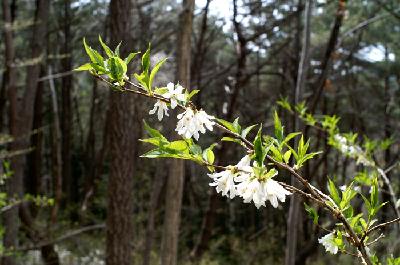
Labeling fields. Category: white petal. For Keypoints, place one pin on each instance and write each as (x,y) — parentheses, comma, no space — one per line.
(174,103)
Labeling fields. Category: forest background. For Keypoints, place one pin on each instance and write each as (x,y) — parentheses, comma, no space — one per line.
(73,187)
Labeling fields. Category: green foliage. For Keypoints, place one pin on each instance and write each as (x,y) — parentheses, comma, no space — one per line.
(114,67)
(393,261)
(278,127)
(284,103)
(312,213)
(260,152)
(231,126)
(301,155)
(333,192)
(180,149)
(373,205)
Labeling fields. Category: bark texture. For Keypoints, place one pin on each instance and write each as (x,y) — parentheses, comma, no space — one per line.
(66,102)
(120,199)
(21,112)
(169,245)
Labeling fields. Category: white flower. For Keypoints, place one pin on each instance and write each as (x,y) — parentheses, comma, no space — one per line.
(244,164)
(259,191)
(174,93)
(240,180)
(224,182)
(162,109)
(203,119)
(191,123)
(328,242)
(252,190)
(274,191)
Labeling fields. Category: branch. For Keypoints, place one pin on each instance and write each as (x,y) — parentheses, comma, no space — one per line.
(62,238)
(382,225)
(315,194)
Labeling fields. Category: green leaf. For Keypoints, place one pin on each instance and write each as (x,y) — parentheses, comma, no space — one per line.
(157,153)
(310,120)
(157,141)
(130,57)
(227,124)
(118,68)
(301,108)
(312,213)
(247,130)
(117,48)
(89,51)
(354,220)
(347,195)
(94,56)
(152,132)
(230,139)
(258,148)
(192,93)
(195,149)
(278,127)
(374,196)
(107,50)
(99,69)
(84,67)
(208,155)
(284,103)
(290,136)
(142,79)
(333,192)
(146,61)
(154,71)
(276,154)
(236,126)
(179,146)
(286,156)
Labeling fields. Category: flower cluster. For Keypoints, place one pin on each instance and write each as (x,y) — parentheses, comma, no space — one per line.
(174,94)
(328,241)
(241,180)
(191,122)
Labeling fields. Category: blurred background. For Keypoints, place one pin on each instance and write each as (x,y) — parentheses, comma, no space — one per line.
(74,189)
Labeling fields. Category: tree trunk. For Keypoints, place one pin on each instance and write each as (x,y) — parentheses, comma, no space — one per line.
(21,113)
(169,245)
(158,183)
(294,220)
(66,105)
(13,185)
(120,185)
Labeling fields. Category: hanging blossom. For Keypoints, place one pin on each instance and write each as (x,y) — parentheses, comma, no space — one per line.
(191,122)
(161,108)
(223,182)
(240,180)
(328,242)
(175,94)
